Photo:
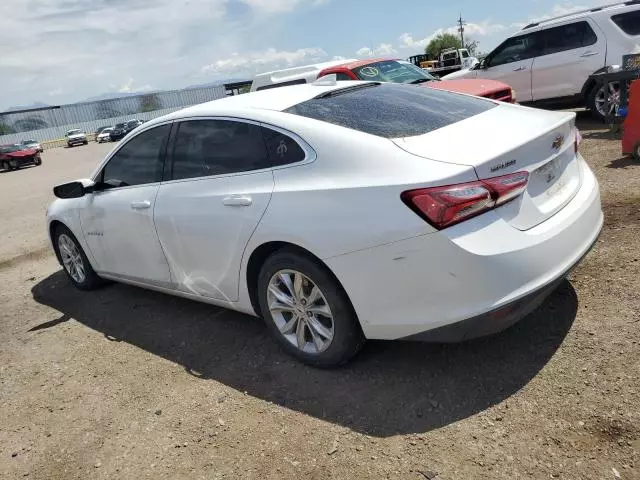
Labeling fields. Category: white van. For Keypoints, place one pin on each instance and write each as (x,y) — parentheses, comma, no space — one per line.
(293,76)
(550,62)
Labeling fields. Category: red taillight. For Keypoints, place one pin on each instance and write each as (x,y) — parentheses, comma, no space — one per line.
(578,141)
(446,206)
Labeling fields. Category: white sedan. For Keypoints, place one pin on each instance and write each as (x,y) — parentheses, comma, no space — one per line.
(339,212)
(104,135)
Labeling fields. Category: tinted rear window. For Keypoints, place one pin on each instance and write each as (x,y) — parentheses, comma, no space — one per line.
(391,110)
(628,22)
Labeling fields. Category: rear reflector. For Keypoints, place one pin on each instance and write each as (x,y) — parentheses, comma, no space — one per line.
(578,141)
(446,206)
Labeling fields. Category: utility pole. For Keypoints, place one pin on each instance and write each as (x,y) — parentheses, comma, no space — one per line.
(461,24)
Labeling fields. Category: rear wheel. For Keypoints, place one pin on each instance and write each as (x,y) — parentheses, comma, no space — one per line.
(75,262)
(596,100)
(5,166)
(636,152)
(307,312)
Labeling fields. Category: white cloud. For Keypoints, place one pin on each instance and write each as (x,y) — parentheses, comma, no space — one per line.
(383,49)
(269,59)
(484,29)
(275,6)
(128,87)
(558,10)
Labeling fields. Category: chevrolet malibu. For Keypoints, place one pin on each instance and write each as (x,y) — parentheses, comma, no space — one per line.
(339,212)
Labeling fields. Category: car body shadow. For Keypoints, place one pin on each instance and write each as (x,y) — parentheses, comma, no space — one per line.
(624,162)
(390,388)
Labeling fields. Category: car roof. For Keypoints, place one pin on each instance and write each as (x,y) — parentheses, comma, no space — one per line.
(247,105)
(288,72)
(362,63)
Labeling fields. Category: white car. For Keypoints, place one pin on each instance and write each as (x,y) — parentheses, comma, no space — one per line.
(339,212)
(76,137)
(549,62)
(104,135)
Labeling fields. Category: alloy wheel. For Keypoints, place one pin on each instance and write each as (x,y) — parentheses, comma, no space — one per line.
(71,258)
(300,311)
(610,92)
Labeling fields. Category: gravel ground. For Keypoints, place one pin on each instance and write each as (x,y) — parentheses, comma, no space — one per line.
(126,383)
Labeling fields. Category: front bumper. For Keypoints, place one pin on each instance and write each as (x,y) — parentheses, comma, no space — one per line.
(482,271)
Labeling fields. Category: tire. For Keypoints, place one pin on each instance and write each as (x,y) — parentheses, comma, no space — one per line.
(86,142)
(636,152)
(69,145)
(593,100)
(38,161)
(346,337)
(90,279)
(5,166)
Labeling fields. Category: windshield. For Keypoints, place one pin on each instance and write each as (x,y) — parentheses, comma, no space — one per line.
(119,125)
(10,148)
(28,142)
(74,132)
(392,71)
(107,130)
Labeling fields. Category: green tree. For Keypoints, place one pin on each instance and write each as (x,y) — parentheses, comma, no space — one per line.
(149,103)
(441,42)
(6,129)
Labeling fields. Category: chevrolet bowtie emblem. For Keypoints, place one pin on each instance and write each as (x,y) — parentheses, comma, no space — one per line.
(558,142)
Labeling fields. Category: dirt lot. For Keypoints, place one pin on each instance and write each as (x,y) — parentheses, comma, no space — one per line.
(125,383)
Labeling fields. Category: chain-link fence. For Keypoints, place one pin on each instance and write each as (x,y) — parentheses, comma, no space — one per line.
(48,125)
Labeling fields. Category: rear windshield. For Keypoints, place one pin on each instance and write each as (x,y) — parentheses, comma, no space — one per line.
(391,110)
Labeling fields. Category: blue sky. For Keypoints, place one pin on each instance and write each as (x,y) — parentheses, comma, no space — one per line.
(60,51)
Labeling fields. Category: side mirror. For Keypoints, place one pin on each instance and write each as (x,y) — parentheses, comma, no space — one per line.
(73,189)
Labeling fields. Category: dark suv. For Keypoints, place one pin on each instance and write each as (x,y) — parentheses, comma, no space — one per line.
(122,129)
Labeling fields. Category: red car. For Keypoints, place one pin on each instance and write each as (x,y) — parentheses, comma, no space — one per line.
(400,71)
(12,157)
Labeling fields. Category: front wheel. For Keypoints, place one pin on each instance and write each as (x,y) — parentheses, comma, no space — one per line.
(307,311)
(636,152)
(75,262)
(5,166)
(38,161)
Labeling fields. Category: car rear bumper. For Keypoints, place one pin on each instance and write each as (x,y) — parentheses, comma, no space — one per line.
(495,320)
(481,275)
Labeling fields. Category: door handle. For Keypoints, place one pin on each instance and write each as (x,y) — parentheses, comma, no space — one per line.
(519,69)
(141,205)
(237,201)
(589,54)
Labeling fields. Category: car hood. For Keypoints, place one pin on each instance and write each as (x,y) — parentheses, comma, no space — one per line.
(77,135)
(471,86)
(463,73)
(22,153)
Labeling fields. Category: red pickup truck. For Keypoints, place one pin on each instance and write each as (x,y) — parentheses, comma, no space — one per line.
(400,71)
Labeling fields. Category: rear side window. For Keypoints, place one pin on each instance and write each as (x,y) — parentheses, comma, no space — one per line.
(216,147)
(343,76)
(391,110)
(281,148)
(628,22)
(282,84)
(139,161)
(567,37)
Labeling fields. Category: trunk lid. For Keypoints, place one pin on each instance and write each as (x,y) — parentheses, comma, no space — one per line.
(511,139)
